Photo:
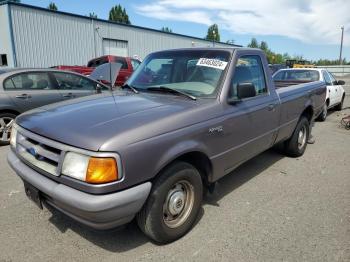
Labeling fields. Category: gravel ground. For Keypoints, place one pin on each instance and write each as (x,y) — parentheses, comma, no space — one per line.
(273,208)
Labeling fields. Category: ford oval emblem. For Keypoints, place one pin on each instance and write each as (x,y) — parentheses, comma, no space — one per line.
(32,151)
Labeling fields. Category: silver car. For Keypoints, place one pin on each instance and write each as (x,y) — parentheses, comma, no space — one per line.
(25,89)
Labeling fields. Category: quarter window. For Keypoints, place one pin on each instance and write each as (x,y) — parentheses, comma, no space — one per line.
(249,69)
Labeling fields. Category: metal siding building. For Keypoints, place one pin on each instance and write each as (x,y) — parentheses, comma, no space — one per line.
(38,37)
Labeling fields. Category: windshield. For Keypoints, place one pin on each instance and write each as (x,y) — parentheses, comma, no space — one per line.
(297,75)
(195,72)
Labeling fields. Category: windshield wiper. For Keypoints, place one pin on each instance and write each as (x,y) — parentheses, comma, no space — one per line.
(171,90)
(130,87)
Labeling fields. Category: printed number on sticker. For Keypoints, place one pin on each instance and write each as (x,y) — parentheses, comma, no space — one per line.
(214,63)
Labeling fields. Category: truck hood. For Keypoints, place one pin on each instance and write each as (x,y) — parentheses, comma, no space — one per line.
(92,121)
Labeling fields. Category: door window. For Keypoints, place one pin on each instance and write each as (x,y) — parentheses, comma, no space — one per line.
(28,81)
(334,81)
(68,81)
(249,69)
(326,79)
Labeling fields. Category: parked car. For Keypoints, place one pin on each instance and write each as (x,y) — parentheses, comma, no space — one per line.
(25,89)
(335,91)
(129,65)
(193,117)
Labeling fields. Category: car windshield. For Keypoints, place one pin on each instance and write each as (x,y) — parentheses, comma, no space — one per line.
(297,75)
(194,72)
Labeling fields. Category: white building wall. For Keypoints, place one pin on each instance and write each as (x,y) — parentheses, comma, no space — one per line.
(44,38)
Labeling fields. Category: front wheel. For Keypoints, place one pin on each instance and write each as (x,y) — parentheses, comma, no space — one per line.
(296,145)
(339,107)
(6,121)
(322,117)
(173,204)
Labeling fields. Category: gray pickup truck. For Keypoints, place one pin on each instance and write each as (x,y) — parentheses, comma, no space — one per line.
(183,120)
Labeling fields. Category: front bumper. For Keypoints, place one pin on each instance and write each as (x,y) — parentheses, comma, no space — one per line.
(97,211)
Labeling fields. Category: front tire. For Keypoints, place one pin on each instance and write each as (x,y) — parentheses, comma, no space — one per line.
(296,145)
(6,121)
(339,107)
(173,204)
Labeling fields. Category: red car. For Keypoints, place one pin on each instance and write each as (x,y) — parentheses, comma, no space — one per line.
(129,65)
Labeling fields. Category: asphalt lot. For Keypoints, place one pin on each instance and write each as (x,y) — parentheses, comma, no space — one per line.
(273,208)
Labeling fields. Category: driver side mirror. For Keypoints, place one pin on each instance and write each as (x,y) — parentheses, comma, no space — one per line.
(341,82)
(244,90)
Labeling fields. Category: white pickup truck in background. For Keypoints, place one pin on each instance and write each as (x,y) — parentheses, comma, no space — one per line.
(335,91)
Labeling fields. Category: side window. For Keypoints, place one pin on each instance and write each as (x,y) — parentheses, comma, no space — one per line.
(333,80)
(279,76)
(249,69)
(135,64)
(29,81)
(68,81)
(327,79)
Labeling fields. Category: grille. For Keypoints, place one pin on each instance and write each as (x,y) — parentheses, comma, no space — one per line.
(39,154)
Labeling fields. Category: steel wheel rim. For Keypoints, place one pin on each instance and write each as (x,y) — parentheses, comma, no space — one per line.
(302,137)
(5,128)
(178,204)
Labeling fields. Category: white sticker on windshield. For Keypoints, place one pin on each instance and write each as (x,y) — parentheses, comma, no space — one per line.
(214,63)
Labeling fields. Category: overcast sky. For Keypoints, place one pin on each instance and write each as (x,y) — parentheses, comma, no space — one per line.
(300,27)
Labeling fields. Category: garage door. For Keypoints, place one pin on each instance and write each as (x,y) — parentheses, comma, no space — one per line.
(115,47)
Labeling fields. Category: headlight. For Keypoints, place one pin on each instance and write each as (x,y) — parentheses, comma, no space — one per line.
(94,170)
(13,139)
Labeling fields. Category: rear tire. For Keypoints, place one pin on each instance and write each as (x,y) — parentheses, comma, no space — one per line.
(173,204)
(322,117)
(6,121)
(339,107)
(296,144)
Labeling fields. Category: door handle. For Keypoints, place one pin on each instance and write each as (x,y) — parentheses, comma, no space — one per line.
(69,95)
(271,107)
(23,96)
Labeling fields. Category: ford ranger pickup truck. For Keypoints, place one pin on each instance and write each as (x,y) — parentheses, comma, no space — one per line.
(149,150)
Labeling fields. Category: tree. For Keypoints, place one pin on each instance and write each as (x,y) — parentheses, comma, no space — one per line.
(213,33)
(118,14)
(263,46)
(166,29)
(253,43)
(92,15)
(52,6)
(15,1)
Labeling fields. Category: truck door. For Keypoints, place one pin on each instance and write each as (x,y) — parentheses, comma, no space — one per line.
(251,124)
(332,90)
(338,90)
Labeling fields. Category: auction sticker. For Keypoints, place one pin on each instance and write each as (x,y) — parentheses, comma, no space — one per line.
(214,63)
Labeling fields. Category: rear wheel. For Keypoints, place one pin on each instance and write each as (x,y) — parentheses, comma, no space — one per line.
(339,107)
(6,121)
(296,145)
(173,204)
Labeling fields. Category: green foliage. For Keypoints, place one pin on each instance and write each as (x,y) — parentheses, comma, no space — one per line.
(52,6)
(322,62)
(118,14)
(166,29)
(93,15)
(253,43)
(213,33)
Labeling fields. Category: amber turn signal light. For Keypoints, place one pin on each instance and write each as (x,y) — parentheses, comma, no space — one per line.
(101,170)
